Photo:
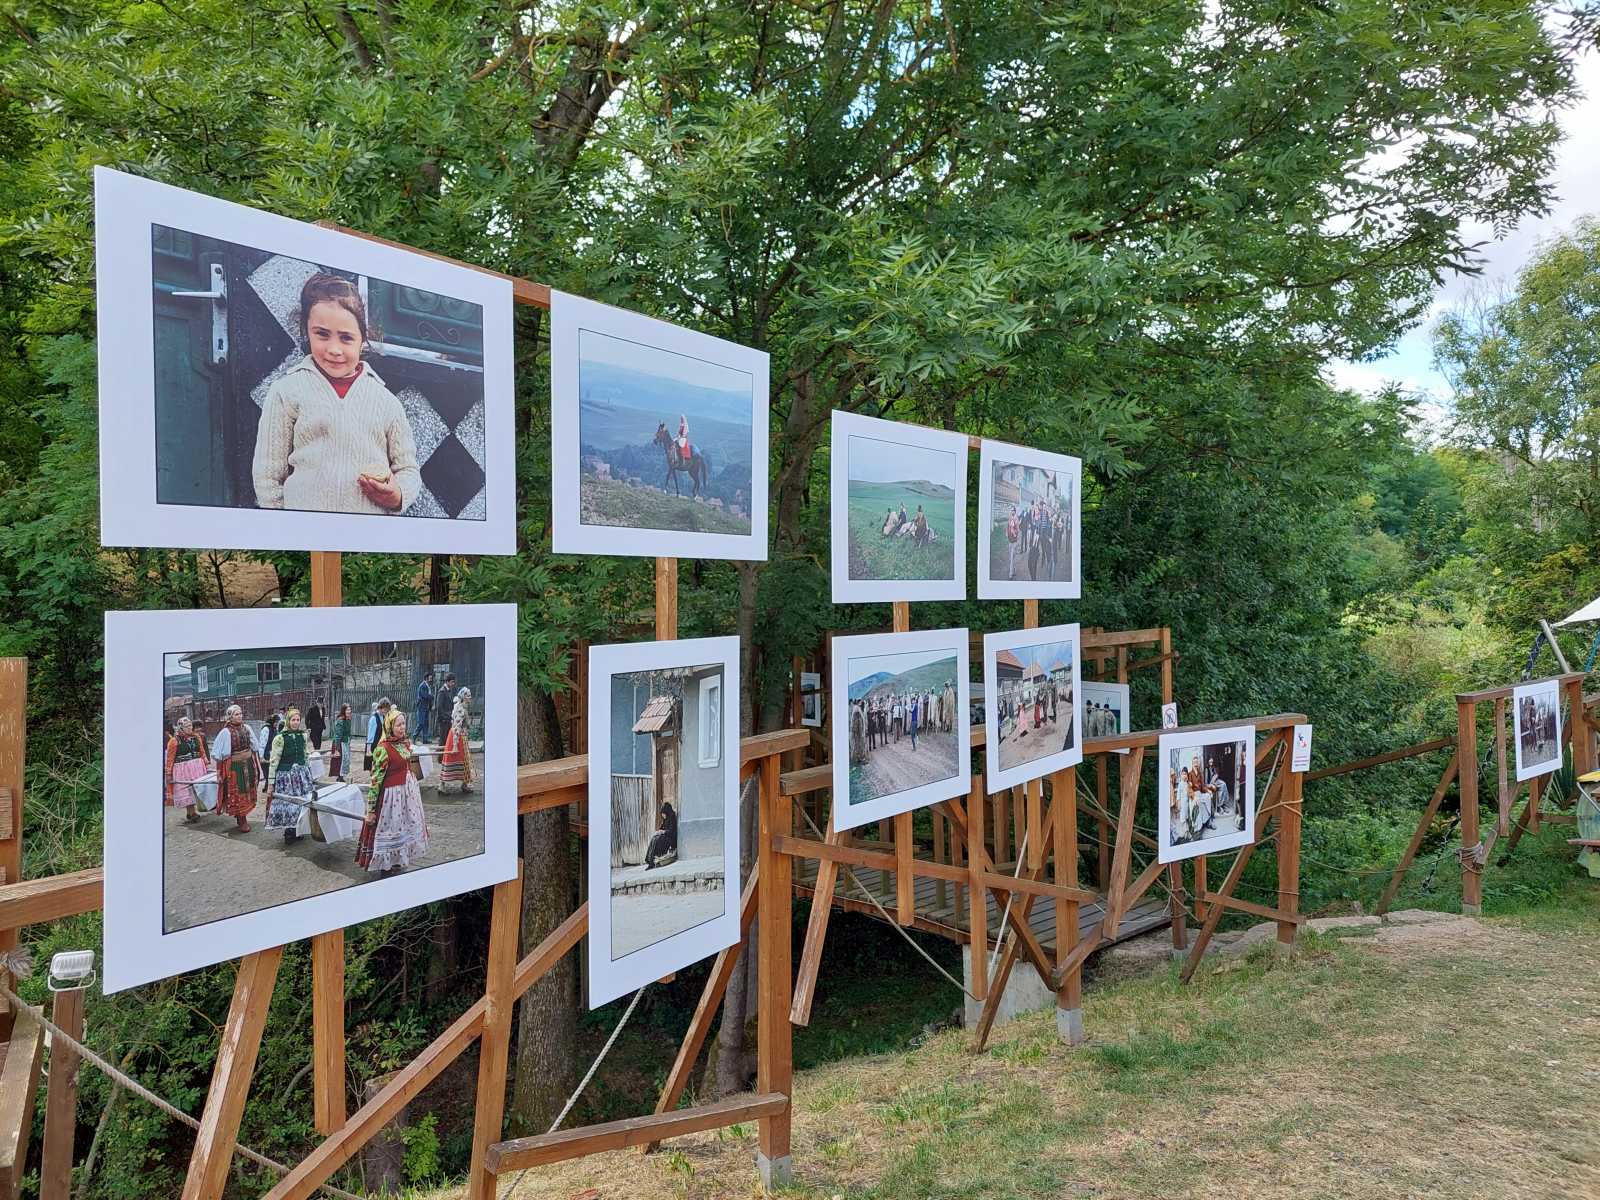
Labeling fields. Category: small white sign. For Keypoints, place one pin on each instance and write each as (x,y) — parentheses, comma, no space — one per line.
(1300,759)
(1169,715)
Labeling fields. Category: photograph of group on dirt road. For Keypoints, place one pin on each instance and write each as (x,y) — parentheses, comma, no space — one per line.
(899,511)
(1034,721)
(660,437)
(1028,510)
(294,771)
(900,726)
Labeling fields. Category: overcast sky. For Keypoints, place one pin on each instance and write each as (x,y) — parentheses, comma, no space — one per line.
(877,461)
(894,664)
(1576,176)
(636,356)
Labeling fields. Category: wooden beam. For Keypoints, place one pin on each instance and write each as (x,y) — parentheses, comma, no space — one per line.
(666,599)
(977,898)
(19,1087)
(1496,693)
(39,901)
(1289,856)
(1265,912)
(327,1031)
(13,769)
(774,1041)
(1503,796)
(1064,854)
(1428,813)
(546,1148)
(61,1107)
(1215,908)
(1467,744)
(1377,760)
(905,881)
(494,1043)
(212,1158)
(805,982)
(523,291)
(1112,917)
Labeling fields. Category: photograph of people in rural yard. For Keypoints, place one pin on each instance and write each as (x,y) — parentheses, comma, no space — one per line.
(1206,797)
(665,438)
(261,808)
(1536,710)
(904,724)
(1033,701)
(668,804)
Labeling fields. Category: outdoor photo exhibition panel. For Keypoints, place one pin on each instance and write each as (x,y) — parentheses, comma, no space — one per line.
(899,511)
(1107,709)
(900,726)
(1536,728)
(1206,791)
(202,866)
(1033,710)
(663,809)
(1029,524)
(268,384)
(659,437)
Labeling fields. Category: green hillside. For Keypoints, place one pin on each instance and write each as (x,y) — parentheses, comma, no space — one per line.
(930,677)
(610,502)
(873,556)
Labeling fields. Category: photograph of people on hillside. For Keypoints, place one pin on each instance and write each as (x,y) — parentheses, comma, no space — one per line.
(899,511)
(1034,720)
(1207,797)
(660,437)
(1028,523)
(662,834)
(900,730)
(301,373)
(1536,728)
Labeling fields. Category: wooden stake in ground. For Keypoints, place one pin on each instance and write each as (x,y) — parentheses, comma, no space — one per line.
(327,949)
(774,1047)
(1467,754)
(13,756)
(60,1114)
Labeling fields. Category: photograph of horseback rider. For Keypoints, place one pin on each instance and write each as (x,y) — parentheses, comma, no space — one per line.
(659,440)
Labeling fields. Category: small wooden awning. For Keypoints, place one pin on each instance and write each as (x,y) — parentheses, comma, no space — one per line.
(656,717)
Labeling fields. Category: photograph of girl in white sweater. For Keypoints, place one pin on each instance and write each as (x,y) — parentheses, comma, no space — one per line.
(333,437)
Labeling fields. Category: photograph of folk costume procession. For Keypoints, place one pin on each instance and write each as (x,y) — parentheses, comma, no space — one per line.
(1536,728)
(1033,722)
(294,771)
(900,731)
(899,511)
(663,831)
(658,431)
(294,369)
(1028,510)
(1208,784)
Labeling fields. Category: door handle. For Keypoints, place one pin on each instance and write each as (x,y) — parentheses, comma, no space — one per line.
(218,295)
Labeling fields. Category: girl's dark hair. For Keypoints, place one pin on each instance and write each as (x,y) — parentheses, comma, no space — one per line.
(323,288)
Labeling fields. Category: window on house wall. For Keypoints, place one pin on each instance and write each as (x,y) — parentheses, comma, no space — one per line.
(269,672)
(711,721)
(200,674)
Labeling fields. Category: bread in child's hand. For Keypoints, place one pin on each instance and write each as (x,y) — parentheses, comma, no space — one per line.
(377,474)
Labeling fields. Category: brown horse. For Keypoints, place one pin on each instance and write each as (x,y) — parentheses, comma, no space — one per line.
(698,467)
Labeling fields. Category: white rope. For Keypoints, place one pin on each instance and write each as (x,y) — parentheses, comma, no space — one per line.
(127,1082)
(583,1083)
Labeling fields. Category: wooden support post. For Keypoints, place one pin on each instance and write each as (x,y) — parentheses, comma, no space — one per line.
(1467,755)
(19,1090)
(13,755)
(1111,919)
(1166,665)
(1002,828)
(494,1045)
(905,881)
(230,1080)
(827,881)
(61,1108)
(1535,798)
(666,599)
(1069,996)
(1180,927)
(941,889)
(1102,823)
(977,896)
(1288,814)
(1037,850)
(1580,727)
(1199,888)
(1428,813)
(774,1039)
(1503,797)
(327,949)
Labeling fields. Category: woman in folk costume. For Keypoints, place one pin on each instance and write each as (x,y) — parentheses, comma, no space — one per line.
(186,761)
(238,767)
(289,785)
(341,744)
(395,832)
(683,436)
(455,763)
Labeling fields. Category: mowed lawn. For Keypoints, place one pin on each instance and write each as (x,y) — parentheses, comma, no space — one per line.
(1453,1060)
(873,556)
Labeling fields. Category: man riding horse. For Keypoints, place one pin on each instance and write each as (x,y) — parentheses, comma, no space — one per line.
(682,456)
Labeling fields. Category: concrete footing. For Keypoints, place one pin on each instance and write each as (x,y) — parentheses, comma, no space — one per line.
(1069,1026)
(775,1172)
(1472,910)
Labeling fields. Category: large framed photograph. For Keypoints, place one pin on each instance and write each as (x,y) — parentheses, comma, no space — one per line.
(268,384)
(1207,781)
(1106,709)
(899,511)
(901,738)
(659,437)
(1029,522)
(663,809)
(1536,727)
(1033,723)
(277,773)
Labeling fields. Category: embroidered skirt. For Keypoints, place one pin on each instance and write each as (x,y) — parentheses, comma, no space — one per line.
(455,763)
(290,782)
(400,834)
(183,776)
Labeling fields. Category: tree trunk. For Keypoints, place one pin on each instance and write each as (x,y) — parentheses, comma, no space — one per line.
(547,1020)
(438,581)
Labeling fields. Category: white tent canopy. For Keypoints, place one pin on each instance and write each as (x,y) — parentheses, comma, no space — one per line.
(1589,612)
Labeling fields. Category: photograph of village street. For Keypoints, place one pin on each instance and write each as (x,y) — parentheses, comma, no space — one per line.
(1034,701)
(293,771)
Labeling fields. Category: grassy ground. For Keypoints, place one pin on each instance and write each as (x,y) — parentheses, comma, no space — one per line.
(873,556)
(1451,1060)
(612,502)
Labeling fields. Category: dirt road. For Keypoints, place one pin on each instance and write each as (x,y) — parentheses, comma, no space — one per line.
(896,767)
(1019,746)
(212,871)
